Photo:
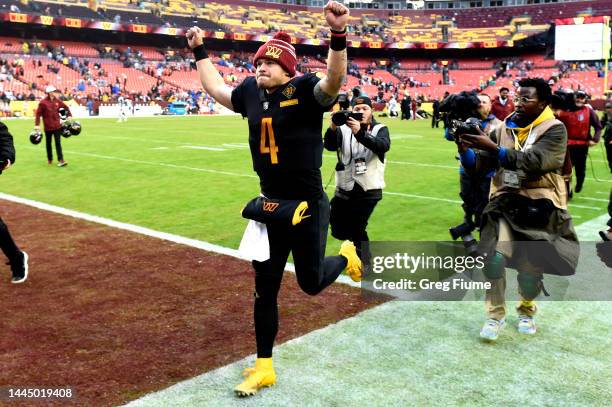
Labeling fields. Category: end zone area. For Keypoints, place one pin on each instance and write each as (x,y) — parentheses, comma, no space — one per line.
(115,314)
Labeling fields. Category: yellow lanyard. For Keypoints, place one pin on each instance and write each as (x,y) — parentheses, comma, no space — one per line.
(517,144)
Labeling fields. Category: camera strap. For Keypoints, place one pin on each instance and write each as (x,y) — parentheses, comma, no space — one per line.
(528,141)
(341,147)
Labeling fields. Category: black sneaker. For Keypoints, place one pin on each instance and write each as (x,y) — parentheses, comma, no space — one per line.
(20,269)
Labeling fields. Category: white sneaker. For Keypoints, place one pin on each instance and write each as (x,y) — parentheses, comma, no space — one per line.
(526,325)
(491,329)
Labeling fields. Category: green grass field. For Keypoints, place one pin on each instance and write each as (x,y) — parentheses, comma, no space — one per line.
(191,176)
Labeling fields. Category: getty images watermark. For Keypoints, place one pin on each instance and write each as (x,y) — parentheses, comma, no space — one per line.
(443,271)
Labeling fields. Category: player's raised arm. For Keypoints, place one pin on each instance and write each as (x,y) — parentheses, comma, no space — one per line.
(212,81)
(327,89)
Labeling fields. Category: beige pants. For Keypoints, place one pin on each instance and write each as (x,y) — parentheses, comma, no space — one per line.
(495,297)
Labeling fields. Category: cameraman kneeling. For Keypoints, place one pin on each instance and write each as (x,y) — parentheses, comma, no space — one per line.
(361,146)
(528,203)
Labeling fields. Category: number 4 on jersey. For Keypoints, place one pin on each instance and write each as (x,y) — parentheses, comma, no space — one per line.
(268,133)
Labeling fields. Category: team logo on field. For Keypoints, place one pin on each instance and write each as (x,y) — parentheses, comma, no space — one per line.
(273,51)
(270,206)
(289,91)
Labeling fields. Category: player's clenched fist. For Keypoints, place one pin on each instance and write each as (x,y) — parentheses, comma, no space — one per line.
(336,15)
(195,37)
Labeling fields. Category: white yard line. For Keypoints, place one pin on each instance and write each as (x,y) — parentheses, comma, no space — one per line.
(204,148)
(572,205)
(199,244)
(598,180)
(429,198)
(451,167)
(182,167)
(593,199)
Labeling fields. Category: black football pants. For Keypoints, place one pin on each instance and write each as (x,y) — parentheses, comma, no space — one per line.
(609,153)
(314,271)
(57,135)
(7,244)
(349,220)
(475,196)
(578,154)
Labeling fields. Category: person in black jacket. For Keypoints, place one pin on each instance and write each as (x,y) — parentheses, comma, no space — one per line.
(435,118)
(606,121)
(360,174)
(405,106)
(18,259)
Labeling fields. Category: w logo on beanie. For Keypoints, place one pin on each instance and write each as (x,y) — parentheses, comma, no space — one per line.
(279,50)
(273,52)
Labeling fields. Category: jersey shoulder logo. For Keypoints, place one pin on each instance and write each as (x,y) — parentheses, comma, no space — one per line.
(274,52)
(289,91)
(269,206)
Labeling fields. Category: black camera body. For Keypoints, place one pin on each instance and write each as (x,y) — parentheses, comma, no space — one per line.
(563,101)
(464,231)
(459,112)
(343,101)
(340,117)
(458,128)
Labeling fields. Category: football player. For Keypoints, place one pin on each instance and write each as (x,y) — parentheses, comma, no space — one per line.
(285,116)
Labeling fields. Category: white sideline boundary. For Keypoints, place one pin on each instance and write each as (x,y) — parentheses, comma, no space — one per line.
(198,244)
(245,175)
(586,231)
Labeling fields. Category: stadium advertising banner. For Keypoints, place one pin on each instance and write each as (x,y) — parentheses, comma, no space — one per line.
(172,31)
(582,38)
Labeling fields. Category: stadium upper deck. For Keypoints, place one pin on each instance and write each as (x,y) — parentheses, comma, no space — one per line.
(240,16)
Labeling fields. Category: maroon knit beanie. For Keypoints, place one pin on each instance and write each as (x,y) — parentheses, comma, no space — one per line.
(279,50)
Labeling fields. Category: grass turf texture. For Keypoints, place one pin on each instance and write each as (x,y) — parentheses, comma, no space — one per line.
(429,354)
(159,173)
(397,354)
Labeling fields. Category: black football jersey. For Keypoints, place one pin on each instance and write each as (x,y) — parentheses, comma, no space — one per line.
(284,134)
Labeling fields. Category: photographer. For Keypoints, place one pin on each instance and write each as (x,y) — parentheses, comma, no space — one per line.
(578,118)
(528,203)
(361,146)
(18,259)
(474,181)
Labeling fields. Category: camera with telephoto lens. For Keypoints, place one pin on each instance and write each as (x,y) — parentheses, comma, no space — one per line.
(340,117)
(343,101)
(460,115)
(470,126)
(459,112)
(464,231)
(562,100)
